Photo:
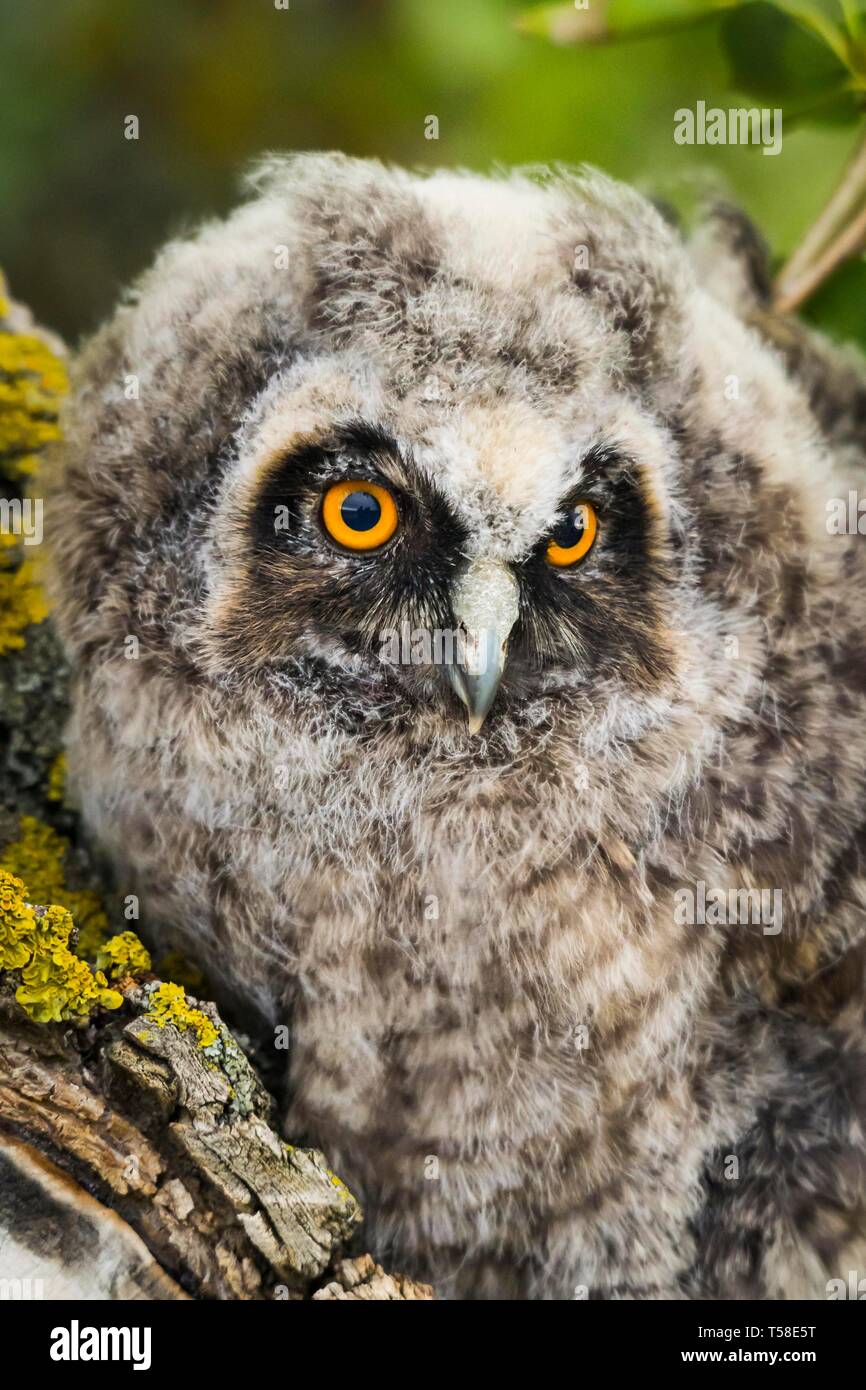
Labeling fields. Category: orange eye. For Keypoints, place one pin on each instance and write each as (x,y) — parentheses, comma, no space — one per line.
(359,515)
(573,537)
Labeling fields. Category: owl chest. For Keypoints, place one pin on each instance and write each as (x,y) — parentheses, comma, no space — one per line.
(473,988)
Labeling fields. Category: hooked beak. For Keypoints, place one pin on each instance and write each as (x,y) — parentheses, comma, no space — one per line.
(486,606)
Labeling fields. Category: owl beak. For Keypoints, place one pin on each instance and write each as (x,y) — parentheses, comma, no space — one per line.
(486,605)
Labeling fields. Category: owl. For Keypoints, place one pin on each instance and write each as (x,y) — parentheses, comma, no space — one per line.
(470,676)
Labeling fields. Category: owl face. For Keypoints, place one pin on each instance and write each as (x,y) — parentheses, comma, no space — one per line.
(449,500)
(444,454)
(348,552)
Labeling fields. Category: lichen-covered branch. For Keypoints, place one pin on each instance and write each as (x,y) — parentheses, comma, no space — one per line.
(175,1139)
(139,1155)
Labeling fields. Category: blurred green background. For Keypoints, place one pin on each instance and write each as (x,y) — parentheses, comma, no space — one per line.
(216,82)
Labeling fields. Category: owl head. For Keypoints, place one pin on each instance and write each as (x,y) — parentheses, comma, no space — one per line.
(458,456)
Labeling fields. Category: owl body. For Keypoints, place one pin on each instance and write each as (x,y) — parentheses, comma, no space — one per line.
(546,1066)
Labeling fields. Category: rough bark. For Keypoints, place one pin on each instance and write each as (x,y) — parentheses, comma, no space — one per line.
(132,1165)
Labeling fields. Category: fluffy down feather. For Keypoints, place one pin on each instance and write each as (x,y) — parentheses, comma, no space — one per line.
(538,1078)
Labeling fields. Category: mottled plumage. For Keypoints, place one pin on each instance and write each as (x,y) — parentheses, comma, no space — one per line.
(539,1080)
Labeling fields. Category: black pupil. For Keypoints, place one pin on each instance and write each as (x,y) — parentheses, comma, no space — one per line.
(360,511)
(570,529)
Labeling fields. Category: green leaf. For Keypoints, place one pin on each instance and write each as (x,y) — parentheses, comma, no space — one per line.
(809,54)
(774,59)
(837,307)
(822,18)
(854,12)
(606,21)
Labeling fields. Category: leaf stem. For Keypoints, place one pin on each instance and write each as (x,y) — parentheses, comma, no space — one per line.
(853,16)
(838,233)
(810,17)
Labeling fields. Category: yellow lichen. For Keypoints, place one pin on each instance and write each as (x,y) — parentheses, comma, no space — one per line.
(32,381)
(168,1004)
(57,778)
(22,602)
(341,1187)
(123,955)
(38,857)
(56,985)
